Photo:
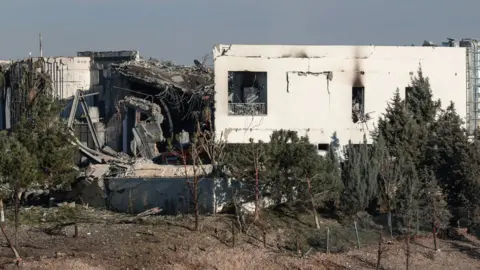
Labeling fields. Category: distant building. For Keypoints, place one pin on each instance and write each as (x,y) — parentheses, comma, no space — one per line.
(319,90)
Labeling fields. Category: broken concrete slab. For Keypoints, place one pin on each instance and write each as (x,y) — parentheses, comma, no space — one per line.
(166,75)
(147,168)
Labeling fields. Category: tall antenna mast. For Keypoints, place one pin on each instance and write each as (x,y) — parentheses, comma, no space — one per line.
(41,49)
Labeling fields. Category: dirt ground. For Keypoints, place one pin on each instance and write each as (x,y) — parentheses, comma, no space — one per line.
(112,241)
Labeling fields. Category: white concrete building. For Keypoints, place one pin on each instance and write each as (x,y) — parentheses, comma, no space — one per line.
(310,89)
(69,74)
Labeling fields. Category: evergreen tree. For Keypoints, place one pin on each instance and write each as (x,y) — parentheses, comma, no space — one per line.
(246,163)
(359,175)
(447,153)
(317,176)
(286,151)
(399,130)
(391,177)
(46,136)
(434,208)
(420,101)
(408,200)
(18,171)
(333,174)
(17,165)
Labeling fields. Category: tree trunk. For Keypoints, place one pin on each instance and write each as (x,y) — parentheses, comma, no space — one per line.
(408,244)
(2,212)
(2,227)
(314,207)
(257,195)
(379,253)
(434,229)
(17,212)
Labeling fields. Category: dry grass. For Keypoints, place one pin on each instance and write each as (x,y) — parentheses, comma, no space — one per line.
(168,243)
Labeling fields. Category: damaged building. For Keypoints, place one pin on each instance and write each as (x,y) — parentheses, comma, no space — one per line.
(125,111)
(319,90)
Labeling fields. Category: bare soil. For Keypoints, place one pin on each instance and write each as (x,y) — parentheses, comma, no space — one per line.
(111,241)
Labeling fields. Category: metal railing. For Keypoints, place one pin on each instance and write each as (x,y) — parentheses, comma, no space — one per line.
(247,109)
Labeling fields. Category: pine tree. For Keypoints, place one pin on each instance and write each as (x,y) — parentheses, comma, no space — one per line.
(447,154)
(18,171)
(359,175)
(285,151)
(391,177)
(333,173)
(434,208)
(46,136)
(246,163)
(420,101)
(399,130)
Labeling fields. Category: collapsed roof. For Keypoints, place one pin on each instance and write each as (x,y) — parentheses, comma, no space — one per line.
(166,75)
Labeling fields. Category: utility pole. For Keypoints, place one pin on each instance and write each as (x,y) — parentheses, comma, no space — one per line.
(41,49)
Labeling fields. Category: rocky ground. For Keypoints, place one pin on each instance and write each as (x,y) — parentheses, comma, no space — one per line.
(112,241)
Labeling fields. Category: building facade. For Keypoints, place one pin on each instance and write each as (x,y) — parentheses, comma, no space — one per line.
(319,90)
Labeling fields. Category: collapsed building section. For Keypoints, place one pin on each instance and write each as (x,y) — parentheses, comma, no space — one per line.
(181,91)
(148,130)
(125,113)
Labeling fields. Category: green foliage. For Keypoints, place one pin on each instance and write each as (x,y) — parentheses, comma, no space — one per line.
(47,137)
(18,168)
(390,176)
(448,154)
(243,161)
(38,152)
(434,208)
(399,130)
(285,166)
(293,162)
(359,175)
(419,102)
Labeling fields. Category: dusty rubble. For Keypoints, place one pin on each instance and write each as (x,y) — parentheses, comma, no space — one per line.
(165,75)
(140,107)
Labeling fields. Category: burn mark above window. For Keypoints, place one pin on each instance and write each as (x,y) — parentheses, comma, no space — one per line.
(247,93)
(358,103)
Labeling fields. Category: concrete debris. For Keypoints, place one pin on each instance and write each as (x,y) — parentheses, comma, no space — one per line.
(4,65)
(144,106)
(146,168)
(146,136)
(183,138)
(150,212)
(97,170)
(66,204)
(166,75)
(146,133)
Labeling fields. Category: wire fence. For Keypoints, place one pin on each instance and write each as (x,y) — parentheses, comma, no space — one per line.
(361,232)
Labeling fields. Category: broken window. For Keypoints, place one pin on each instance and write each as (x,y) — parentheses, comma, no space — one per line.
(323,147)
(358,104)
(408,91)
(247,93)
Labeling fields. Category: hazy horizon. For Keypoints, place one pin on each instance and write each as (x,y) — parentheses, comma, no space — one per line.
(185,30)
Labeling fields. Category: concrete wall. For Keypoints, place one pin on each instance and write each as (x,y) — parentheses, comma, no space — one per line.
(170,194)
(69,74)
(299,96)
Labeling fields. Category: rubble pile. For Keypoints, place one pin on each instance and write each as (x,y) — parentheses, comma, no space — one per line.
(147,168)
(146,133)
(166,75)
